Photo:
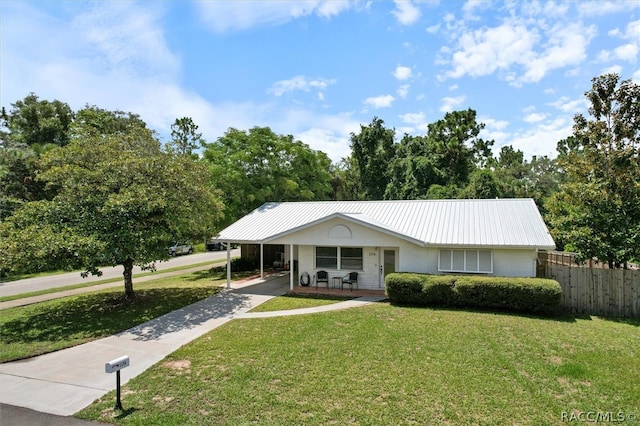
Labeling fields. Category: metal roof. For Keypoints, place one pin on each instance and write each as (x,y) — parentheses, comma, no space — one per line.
(470,223)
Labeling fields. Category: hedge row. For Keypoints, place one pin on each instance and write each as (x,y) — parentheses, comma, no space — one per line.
(520,294)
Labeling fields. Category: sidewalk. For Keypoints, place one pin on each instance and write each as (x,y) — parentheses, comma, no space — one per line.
(66,381)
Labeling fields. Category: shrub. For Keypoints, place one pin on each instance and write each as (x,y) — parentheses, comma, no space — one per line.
(522,294)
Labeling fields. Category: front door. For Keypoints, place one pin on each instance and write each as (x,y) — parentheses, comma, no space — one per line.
(387,264)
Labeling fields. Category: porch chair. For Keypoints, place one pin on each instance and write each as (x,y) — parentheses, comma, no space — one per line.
(322,277)
(350,279)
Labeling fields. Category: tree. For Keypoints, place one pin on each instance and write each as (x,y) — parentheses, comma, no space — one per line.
(373,150)
(446,156)
(32,127)
(254,167)
(119,201)
(414,169)
(597,211)
(482,185)
(36,122)
(347,184)
(457,147)
(185,138)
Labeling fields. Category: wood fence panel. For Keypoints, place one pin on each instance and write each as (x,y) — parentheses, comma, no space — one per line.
(594,290)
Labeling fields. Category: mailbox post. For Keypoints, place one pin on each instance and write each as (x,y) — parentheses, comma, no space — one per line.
(115,366)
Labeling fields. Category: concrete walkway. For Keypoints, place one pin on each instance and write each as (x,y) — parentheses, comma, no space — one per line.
(66,381)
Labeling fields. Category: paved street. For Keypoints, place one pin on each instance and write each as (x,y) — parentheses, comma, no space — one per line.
(52,281)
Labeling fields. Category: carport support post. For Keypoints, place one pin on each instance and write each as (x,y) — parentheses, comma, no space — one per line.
(261,260)
(291,267)
(228,265)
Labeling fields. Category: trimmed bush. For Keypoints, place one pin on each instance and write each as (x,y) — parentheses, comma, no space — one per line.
(521,294)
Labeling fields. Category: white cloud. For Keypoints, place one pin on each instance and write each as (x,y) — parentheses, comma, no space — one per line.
(534,117)
(520,50)
(566,47)
(614,69)
(482,52)
(413,118)
(329,133)
(573,106)
(383,101)
(299,83)
(224,16)
(450,103)
(406,12)
(402,73)
(403,90)
(542,139)
(599,8)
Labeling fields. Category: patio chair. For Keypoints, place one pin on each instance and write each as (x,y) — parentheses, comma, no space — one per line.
(350,279)
(322,277)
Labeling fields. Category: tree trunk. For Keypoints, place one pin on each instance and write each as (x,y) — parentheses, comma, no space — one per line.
(128,279)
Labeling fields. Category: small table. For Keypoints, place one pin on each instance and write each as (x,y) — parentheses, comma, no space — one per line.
(335,281)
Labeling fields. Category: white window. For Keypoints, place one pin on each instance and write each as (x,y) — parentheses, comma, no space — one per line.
(327,257)
(339,258)
(470,261)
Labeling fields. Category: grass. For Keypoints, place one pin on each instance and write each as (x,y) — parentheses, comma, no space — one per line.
(388,365)
(293,301)
(49,326)
(105,281)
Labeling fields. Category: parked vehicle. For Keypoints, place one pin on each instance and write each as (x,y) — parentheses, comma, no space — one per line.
(213,245)
(180,248)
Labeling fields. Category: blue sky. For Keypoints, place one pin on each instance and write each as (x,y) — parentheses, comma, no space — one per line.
(320,69)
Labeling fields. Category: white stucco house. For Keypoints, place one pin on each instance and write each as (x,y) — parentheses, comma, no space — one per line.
(498,237)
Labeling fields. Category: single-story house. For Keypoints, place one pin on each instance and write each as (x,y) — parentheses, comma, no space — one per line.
(495,237)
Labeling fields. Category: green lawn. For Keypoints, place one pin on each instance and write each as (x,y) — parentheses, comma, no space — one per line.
(292,301)
(388,365)
(48,326)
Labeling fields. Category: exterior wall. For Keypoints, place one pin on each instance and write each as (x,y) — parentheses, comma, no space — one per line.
(342,233)
(515,263)
(409,257)
(368,277)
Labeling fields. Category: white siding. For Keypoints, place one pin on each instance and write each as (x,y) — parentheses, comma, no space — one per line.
(514,263)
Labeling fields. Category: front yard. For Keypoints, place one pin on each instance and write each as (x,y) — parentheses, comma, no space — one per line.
(383,364)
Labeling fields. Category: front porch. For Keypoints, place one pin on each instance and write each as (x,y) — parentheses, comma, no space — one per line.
(334,292)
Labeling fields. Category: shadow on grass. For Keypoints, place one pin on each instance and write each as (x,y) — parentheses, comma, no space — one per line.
(629,321)
(558,315)
(96,315)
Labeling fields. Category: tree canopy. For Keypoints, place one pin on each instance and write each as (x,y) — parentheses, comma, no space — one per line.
(119,200)
(597,211)
(254,167)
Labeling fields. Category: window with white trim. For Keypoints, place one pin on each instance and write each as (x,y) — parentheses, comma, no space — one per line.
(327,257)
(351,258)
(468,261)
(339,258)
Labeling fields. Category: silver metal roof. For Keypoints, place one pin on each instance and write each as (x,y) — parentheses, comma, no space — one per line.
(472,223)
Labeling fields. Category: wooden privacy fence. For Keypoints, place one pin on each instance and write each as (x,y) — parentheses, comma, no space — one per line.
(593,290)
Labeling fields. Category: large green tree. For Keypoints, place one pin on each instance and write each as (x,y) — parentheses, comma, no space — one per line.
(373,150)
(119,200)
(446,156)
(31,127)
(597,211)
(256,166)
(40,122)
